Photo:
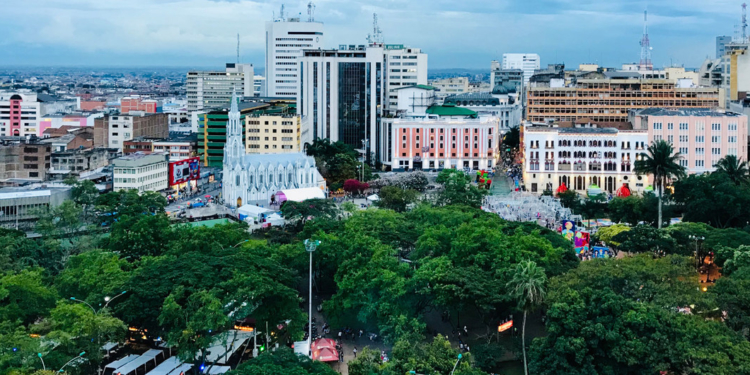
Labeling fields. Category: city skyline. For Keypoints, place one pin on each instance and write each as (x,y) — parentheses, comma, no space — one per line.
(469,35)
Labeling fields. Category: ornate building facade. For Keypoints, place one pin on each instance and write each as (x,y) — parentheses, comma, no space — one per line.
(254,178)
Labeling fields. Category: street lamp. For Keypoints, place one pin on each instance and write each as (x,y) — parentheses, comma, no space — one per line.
(698,261)
(41,359)
(310,246)
(73,359)
(454,366)
(107,299)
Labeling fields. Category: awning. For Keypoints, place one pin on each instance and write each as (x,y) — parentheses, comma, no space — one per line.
(299,195)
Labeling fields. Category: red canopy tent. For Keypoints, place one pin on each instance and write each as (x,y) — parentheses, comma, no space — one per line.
(326,355)
(623,191)
(324,350)
(562,188)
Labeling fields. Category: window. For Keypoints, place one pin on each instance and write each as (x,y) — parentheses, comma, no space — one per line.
(670,126)
(715,139)
(700,139)
(683,139)
(683,126)
(732,139)
(683,150)
(699,151)
(715,127)
(657,126)
(699,163)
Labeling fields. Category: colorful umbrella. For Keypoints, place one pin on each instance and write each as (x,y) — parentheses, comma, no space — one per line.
(562,188)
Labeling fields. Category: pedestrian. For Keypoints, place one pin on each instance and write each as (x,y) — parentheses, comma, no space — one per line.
(466,330)
(355,352)
(339,335)
(360,333)
(467,348)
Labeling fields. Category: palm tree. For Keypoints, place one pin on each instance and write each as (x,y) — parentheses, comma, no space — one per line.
(527,287)
(734,168)
(663,163)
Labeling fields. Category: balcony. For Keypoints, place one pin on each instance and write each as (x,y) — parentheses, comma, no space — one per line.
(564,167)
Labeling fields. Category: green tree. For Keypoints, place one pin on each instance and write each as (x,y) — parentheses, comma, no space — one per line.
(734,168)
(301,212)
(527,287)
(512,138)
(607,235)
(92,276)
(458,190)
(645,238)
(593,207)
(732,292)
(663,164)
(367,363)
(76,328)
(141,235)
(18,350)
(433,357)
(619,316)
(713,199)
(25,297)
(282,362)
(395,198)
(570,199)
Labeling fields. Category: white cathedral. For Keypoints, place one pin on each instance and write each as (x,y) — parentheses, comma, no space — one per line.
(254,178)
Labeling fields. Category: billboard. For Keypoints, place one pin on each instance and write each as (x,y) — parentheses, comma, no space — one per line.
(184,170)
(568,229)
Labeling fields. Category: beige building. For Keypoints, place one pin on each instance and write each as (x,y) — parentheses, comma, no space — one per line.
(272,133)
(450,86)
(608,101)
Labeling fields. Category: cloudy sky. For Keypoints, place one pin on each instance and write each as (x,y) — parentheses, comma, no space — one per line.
(455,33)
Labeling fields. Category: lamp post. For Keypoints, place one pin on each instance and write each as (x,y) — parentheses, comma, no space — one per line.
(72,359)
(458,360)
(107,301)
(42,359)
(310,246)
(697,255)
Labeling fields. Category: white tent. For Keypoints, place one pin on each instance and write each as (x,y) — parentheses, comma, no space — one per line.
(252,211)
(166,367)
(299,195)
(133,366)
(374,198)
(122,361)
(225,344)
(218,370)
(185,367)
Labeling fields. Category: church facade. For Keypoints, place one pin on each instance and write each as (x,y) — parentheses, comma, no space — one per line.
(254,178)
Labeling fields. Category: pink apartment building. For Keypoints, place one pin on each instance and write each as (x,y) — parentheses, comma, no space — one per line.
(702,136)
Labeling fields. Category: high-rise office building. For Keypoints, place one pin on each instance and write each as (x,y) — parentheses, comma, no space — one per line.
(341,95)
(285,40)
(406,67)
(208,89)
(528,62)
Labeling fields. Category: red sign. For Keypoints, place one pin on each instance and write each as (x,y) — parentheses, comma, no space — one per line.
(184,170)
(505,326)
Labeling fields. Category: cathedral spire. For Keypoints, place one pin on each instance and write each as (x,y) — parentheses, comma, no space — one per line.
(233,107)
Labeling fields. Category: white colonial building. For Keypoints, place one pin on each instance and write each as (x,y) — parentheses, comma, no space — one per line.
(581,157)
(254,178)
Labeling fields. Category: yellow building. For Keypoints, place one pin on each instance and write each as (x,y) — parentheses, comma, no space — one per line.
(272,133)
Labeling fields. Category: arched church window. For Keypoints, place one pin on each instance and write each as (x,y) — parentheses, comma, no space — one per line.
(237,180)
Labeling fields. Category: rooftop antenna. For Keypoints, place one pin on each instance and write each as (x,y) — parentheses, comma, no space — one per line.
(744,23)
(310,12)
(377,35)
(281,14)
(238,48)
(645,63)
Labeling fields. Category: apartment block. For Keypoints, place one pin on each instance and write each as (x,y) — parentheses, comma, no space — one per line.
(702,137)
(213,89)
(112,131)
(272,133)
(406,67)
(137,103)
(23,159)
(19,114)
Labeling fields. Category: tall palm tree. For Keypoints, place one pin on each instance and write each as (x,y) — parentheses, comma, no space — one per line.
(527,287)
(662,162)
(734,168)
